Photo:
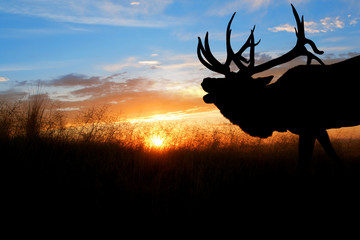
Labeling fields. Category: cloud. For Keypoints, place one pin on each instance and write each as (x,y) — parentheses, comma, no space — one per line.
(72,80)
(149,62)
(166,62)
(144,7)
(178,65)
(249,5)
(17,68)
(3,79)
(353,21)
(94,20)
(329,24)
(285,27)
(12,95)
(138,96)
(311,27)
(325,25)
(129,62)
(150,103)
(66,109)
(145,96)
(109,87)
(298,1)
(334,39)
(149,13)
(338,48)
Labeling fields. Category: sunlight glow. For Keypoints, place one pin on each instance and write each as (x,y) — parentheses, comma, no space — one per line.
(189,114)
(156,141)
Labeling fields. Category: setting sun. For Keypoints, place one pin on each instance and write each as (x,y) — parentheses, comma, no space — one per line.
(156,141)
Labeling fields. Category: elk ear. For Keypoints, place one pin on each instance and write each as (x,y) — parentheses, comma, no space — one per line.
(263,81)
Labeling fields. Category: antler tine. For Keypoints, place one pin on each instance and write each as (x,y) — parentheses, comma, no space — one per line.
(235,57)
(200,49)
(208,53)
(252,49)
(299,50)
(229,50)
(212,63)
(302,40)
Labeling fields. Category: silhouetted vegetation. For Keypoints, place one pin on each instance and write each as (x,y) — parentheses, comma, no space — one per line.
(105,167)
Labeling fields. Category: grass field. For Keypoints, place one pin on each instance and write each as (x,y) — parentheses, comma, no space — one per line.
(195,172)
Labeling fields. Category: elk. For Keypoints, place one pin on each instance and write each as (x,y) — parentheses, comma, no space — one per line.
(306,100)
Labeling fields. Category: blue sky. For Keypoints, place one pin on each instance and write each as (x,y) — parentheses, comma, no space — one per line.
(143,53)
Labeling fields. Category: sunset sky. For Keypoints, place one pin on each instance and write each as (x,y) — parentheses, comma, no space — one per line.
(139,57)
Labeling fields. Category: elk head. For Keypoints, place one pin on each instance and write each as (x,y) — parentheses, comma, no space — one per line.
(221,89)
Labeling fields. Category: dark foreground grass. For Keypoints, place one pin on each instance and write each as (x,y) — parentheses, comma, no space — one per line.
(55,178)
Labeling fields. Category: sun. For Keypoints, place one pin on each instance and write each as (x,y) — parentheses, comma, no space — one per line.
(156,141)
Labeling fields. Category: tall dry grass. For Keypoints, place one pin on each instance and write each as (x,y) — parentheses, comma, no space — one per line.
(9,115)
(100,163)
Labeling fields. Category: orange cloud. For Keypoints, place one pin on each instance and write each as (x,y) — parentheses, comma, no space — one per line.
(134,97)
(72,80)
(141,96)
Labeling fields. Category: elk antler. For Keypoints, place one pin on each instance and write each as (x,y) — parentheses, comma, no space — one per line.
(212,63)
(299,50)
(237,57)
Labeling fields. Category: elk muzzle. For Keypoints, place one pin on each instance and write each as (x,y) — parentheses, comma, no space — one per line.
(210,85)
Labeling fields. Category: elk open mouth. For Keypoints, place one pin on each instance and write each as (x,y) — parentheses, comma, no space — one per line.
(206,86)
(208,98)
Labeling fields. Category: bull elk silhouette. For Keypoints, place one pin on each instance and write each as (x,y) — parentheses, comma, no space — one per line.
(306,100)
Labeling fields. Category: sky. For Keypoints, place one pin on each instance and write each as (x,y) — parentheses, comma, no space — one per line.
(139,57)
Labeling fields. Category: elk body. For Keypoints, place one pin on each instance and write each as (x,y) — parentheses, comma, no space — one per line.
(306,100)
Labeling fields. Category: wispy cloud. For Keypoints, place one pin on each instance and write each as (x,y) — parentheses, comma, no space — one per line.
(338,48)
(324,25)
(140,96)
(17,68)
(298,1)
(72,80)
(165,63)
(67,109)
(191,36)
(148,62)
(334,39)
(142,13)
(38,65)
(129,62)
(179,65)
(248,5)
(330,24)
(284,27)
(353,21)
(12,95)
(3,79)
